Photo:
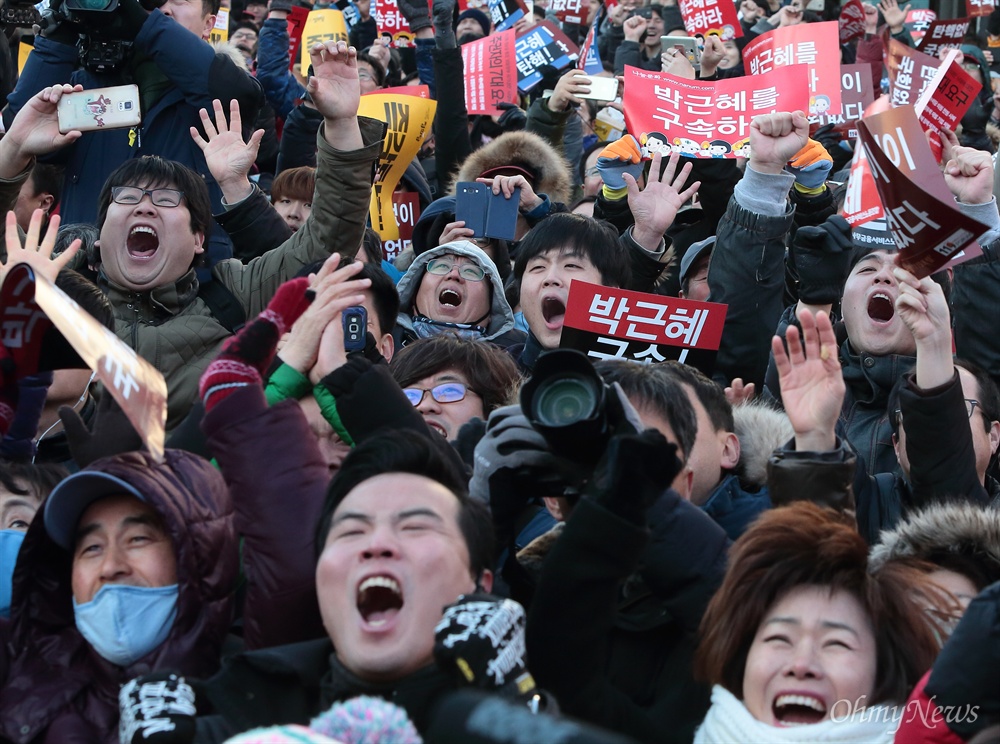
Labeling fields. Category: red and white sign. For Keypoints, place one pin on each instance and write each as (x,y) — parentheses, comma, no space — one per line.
(569,11)
(296,23)
(979,8)
(710,17)
(856,94)
(918,21)
(609,323)
(490,73)
(805,44)
(861,200)
(949,95)
(944,35)
(390,20)
(852,21)
(710,120)
(406,208)
(910,72)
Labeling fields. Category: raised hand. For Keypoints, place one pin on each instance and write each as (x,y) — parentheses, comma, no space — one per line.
(38,256)
(894,16)
(812,385)
(507,184)
(775,138)
(969,175)
(738,393)
(335,292)
(35,131)
(656,206)
(334,85)
(634,28)
(922,306)
(676,63)
(568,87)
(228,157)
(713,54)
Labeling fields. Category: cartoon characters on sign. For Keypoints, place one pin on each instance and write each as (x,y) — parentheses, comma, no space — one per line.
(715,149)
(687,147)
(742,147)
(98,108)
(654,142)
(726,33)
(819,105)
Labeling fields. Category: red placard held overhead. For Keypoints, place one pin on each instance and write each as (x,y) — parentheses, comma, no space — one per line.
(390,20)
(490,73)
(944,35)
(710,17)
(856,94)
(948,96)
(296,22)
(569,11)
(811,44)
(609,323)
(979,8)
(852,21)
(709,120)
(910,72)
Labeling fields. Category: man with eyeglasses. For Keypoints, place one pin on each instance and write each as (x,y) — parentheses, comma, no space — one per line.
(455,288)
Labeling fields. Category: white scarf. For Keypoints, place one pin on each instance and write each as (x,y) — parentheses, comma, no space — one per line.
(729,722)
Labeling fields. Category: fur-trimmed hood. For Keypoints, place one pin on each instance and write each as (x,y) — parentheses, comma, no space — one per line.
(967,529)
(761,429)
(528,151)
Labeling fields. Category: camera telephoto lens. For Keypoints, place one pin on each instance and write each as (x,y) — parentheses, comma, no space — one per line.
(565,400)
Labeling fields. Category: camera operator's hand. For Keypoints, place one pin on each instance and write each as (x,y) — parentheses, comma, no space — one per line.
(228,157)
(35,131)
(336,92)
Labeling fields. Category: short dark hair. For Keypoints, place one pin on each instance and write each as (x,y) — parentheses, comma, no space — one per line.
(154,171)
(377,68)
(35,480)
(371,244)
(88,296)
(240,25)
(48,179)
(211,7)
(806,545)
(593,239)
(397,451)
(652,386)
(491,372)
(294,183)
(88,235)
(710,395)
(385,297)
(989,395)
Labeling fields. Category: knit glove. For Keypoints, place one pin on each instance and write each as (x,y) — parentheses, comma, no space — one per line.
(821,259)
(281,5)
(110,433)
(416,13)
(481,640)
(810,166)
(19,442)
(513,118)
(634,470)
(444,24)
(620,157)
(245,357)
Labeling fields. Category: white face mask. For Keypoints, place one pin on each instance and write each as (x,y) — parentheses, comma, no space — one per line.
(124,623)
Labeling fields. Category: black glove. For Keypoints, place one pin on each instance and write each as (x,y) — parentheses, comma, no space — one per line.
(444,24)
(416,13)
(158,708)
(481,640)
(632,473)
(513,119)
(281,5)
(111,432)
(821,260)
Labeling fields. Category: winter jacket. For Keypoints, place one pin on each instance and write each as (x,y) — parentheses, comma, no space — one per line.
(500,326)
(58,690)
(973,298)
(196,74)
(254,226)
(281,88)
(633,54)
(563,131)
(174,329)
(622,658)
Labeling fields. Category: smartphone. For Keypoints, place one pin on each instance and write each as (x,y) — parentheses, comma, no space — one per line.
(355,321)
(602,89)
(101,108)
(686,45)
(487,214)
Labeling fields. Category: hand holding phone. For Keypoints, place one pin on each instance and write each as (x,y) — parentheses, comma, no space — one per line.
(487,214)
(355,320)
(114,107)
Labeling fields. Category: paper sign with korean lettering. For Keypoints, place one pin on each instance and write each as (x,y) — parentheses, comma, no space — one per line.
(390,20)
(910,72)
(852,21)
(856,94)
(813,44)
(925,223)
(608,323)
(505,13)
(220,31)
(944,35)
(542,44)
(948,96)
(861,200)
(406,209)
(570,11)
(710,17)
(918,21)
(590,59)
(321,25)
(297,18)
(708,120)
(36,312)
(409,124)
(979,8)
(490,73)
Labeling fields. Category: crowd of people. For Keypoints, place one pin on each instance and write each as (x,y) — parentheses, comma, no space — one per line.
(390,528)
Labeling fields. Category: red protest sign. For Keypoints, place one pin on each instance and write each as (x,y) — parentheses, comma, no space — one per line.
(296,22)
(609,323)
(852,21)
(806,44)
(978,8)
(944,35)
(706,119)
(708,17)
(910,72)
(948,96)
(390,20)
(928,229)
(861,200)
(856,94)
(490,73)
(406,208)
(569,11)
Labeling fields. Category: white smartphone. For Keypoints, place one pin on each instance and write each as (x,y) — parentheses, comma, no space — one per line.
(601,89)
(686,45)
(101,108)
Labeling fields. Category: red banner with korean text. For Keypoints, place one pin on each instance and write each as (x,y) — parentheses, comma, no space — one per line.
(810,44)
(979,8)
(944,35)
(390,20)
(852,21)
(296,23)
(856,94)
(490,73)
(708,17)
(925,223)
(608,323)
(709,120)
(569,11)
(406,209)
(910,72)
(918,21)
(946,99)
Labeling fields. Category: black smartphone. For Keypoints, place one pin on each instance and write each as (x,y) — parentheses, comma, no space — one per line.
(487,214)
(355,328)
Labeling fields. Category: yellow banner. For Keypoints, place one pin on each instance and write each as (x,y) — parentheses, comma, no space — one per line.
(321,25)
(23,50)
(220,32)
(409,119)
